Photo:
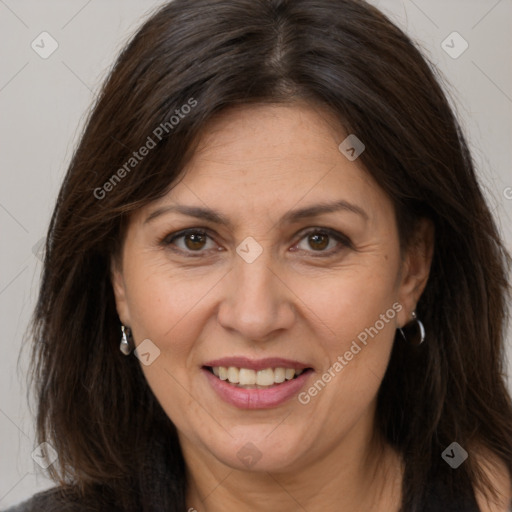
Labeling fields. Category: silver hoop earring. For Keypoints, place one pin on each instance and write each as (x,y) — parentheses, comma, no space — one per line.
(414,331)
(126,341)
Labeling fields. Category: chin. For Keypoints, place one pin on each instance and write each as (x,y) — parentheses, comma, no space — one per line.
(276,455)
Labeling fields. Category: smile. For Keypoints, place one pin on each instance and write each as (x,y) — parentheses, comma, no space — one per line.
(256,384)
(248,378)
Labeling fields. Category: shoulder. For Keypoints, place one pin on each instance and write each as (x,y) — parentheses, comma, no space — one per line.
(498,475)
(55,499)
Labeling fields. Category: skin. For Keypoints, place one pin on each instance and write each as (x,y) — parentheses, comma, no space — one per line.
(255,164)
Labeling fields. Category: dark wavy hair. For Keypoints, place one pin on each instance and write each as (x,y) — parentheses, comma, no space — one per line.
(95,406)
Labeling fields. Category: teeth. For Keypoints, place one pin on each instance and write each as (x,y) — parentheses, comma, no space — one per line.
(265,377)
(233,375)
(279,375)
(245,377)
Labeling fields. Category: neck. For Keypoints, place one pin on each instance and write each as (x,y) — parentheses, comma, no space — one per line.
(359,472)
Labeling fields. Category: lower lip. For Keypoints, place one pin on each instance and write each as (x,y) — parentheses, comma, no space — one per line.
(257,398)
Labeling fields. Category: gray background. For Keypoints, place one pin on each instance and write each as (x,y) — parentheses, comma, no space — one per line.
(43,104)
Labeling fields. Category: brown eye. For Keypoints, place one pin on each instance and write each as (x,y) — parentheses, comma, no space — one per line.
(325,241)
(188,241)
(318,241)
(194,241)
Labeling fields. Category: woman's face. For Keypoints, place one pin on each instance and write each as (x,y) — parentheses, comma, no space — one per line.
(264,282)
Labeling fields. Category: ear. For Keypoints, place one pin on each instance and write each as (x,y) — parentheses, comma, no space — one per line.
(119,287)
(416,268)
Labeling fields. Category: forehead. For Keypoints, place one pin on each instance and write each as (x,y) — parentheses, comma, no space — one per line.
(279,132)
(256,158)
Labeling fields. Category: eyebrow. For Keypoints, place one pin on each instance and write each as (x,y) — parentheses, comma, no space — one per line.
(290,217)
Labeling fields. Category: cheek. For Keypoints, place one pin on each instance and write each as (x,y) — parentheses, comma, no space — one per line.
(165,302)
(166,308)
(355,317)
(358,325)
(344,303)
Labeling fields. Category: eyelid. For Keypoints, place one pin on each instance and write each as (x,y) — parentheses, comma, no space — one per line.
(167,240)
(338,236)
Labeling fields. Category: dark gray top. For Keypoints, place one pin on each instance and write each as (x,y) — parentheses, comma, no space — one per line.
(52,501)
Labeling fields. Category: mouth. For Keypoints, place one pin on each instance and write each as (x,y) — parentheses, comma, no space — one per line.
(248,378)
(249,383)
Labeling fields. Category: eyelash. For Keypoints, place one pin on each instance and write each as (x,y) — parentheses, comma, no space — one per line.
(339,237)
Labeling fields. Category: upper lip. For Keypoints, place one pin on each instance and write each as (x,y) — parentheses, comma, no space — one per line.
(257,364)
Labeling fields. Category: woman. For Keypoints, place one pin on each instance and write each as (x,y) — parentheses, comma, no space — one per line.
(271,280)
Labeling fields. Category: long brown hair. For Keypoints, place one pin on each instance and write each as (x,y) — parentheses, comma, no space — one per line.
(94,405)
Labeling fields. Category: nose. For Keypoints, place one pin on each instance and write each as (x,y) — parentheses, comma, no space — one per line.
(257,302)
